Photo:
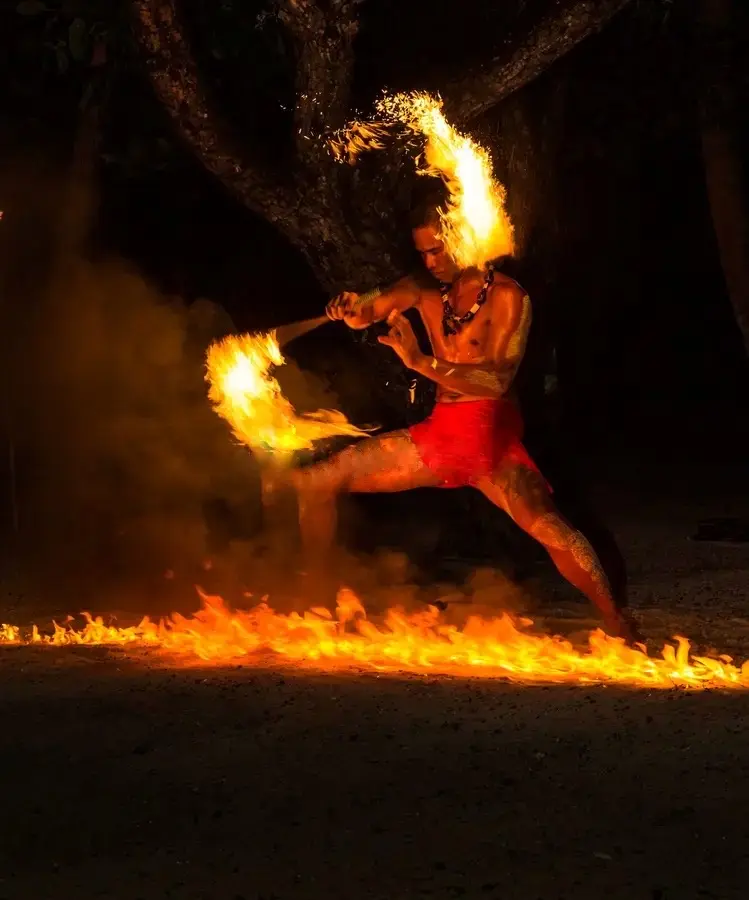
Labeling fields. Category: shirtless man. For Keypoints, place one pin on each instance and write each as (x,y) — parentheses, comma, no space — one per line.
(478,324)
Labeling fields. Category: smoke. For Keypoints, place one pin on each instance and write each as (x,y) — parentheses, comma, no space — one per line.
(120,466)
(126,489)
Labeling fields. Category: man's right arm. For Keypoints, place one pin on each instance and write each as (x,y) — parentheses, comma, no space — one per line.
(402,295)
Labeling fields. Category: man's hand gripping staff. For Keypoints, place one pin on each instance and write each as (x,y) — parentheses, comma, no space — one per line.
(358,302)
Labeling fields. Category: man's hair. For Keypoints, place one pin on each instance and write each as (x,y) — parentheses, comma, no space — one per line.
(428,198)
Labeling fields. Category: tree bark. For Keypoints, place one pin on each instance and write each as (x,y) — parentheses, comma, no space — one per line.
(307,203)
(340,219)
(565,26)
(324,68)
(176,81)
(724,167)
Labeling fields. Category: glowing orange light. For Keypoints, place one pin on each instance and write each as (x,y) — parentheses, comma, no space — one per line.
(475,227)
(245,393)
(501,647)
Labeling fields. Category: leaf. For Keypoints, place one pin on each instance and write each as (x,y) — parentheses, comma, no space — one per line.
(30,8)
(78,40)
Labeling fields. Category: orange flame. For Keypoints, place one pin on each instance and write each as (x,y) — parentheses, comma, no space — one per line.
(476,228)
(500,647)
(245,393)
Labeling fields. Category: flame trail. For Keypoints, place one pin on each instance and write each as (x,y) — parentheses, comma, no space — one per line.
(475,226)
(245,393)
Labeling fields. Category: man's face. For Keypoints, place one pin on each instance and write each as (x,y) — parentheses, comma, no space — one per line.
(427,241)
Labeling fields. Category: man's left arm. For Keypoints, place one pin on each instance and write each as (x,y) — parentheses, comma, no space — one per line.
(506,342)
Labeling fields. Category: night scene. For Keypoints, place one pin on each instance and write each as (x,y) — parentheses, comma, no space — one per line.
(374,449)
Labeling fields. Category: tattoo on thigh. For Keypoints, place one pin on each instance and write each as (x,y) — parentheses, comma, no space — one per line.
(371,456)
(527,487)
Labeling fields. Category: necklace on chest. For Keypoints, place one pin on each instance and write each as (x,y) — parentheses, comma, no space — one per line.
(451,321)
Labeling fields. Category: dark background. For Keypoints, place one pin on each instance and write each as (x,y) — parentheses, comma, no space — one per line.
(602,160)
(126,777)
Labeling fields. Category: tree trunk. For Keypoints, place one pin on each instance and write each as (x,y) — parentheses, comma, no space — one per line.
(334,215)
(341,220)
(553,36)
(724,167)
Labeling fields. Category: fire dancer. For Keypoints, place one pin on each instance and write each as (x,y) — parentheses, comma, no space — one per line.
(478,323)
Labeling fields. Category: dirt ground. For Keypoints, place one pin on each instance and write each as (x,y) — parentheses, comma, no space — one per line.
(121,779)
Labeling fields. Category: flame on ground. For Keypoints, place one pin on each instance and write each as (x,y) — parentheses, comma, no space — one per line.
(421,642)
(245,393)
(475,226)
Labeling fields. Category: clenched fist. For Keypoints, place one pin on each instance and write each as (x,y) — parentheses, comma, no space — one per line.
(343,307)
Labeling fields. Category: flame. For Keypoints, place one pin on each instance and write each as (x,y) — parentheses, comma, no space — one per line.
(475,226)
(245,393)
(357,138)
(501,647)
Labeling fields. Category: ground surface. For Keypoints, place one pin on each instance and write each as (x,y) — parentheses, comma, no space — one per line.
(124,780)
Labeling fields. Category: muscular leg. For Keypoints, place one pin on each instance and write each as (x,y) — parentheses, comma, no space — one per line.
(523,495)
(383,464)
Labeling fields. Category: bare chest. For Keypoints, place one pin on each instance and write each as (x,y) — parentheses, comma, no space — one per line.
(469,345)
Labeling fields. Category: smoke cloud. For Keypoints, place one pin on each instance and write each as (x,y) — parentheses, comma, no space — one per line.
(117,469)
(122,489)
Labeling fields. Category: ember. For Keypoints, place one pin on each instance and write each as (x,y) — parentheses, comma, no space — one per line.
(501,647)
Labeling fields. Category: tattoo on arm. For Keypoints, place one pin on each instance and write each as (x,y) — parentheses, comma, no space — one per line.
(482,380)
(496,379)
(466,378)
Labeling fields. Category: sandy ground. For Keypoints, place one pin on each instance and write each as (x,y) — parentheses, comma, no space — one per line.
(124,780)
(125,783)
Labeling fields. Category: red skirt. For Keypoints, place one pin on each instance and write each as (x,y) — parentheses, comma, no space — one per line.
(465,442)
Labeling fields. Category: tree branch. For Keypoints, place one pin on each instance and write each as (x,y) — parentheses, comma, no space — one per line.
(323,43)
(556,34)
(174,75)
